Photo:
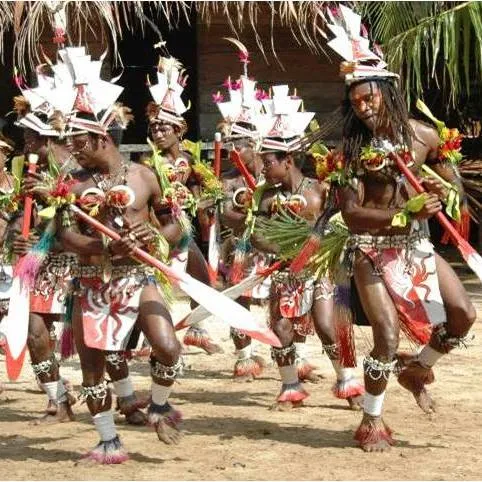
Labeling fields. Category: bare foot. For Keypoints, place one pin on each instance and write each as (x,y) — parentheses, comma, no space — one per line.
(62,413)
(355,403)
(285,406)
(167,425)
(374,435)
(311,377)
(413,378)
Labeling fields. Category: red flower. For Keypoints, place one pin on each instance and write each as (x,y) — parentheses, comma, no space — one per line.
(244,57)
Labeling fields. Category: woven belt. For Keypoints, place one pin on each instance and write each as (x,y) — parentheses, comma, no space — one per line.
(121,271)
(384,242)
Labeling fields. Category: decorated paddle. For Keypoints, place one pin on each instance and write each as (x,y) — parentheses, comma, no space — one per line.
(213,246)
(470,255)
(215,302)
(15,325)
(238,162)
(233,292)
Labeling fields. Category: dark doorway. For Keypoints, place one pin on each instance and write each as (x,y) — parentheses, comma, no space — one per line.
(140,60)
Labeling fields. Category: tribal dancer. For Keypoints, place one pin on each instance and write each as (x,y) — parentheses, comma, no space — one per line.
(113,292)
(179,181)
(240,259)
(297,303)
(400,281)
(52,280)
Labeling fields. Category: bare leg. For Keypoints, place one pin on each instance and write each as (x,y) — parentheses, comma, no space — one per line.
(156,324)
(460,317)
(197,335)
(97,396)
(373,434)
(127,402)
(347,386)
(292,392)
(46,369)
(248,365)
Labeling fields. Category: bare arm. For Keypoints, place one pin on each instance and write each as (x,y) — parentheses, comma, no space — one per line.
(358,217)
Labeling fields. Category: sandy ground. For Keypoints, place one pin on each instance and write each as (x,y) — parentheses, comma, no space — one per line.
(230,433)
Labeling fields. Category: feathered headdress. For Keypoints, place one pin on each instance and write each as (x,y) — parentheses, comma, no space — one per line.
(171,81)
(282,126)
(72,95)
(245,101)
(360,62)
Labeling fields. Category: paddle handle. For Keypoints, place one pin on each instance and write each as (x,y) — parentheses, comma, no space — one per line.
(248,177)
(138,253)
(28,204)
(217,154)
(441,218)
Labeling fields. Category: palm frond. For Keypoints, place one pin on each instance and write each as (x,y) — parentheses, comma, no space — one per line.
(429,40)
(93,19)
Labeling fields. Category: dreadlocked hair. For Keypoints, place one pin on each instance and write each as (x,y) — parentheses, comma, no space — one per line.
(356,134)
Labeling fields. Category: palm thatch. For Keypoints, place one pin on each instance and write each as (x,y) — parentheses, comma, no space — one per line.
(429,40)
(94,19)
(101,19)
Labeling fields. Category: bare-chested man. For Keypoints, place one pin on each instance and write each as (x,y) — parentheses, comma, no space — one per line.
(399,279)
(297,303)
(131,292)
(166,129)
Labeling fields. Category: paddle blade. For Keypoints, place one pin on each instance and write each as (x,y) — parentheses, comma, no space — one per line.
(226,309)
(14,365)
(15,324)
(233,292)
(474,260)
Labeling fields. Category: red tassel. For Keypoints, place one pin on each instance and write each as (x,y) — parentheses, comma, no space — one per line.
(311,246)
(292,393)
(237,272)
(348,388)
(67,344)
(246,367)
(304,369)
(372,432)
(345,339)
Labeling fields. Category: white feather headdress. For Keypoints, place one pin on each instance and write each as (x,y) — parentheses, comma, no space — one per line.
(360,62)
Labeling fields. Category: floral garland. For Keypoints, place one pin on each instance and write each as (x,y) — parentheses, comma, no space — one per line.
(376,158)
(450,143)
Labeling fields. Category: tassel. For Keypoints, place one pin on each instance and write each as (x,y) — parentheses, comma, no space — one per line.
(29,265)
(237,273)
(304,368)
(343,317)
(248,367)
(294,392)
(108,453)
(67,343)
(348,388)
(372,432)
(310,248)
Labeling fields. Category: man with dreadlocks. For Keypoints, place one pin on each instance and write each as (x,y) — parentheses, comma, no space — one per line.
(399,279)
(297,303)
(179,183)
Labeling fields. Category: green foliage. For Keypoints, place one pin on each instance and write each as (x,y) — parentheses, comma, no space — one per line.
(429,40)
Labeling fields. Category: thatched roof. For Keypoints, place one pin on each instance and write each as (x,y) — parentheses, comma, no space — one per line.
(29,20)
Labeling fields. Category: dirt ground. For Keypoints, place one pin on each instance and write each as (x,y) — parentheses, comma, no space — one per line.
(230,433)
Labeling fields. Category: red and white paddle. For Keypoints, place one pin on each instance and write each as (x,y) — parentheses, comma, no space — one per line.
(214,301)
(15,324)
(470,255)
